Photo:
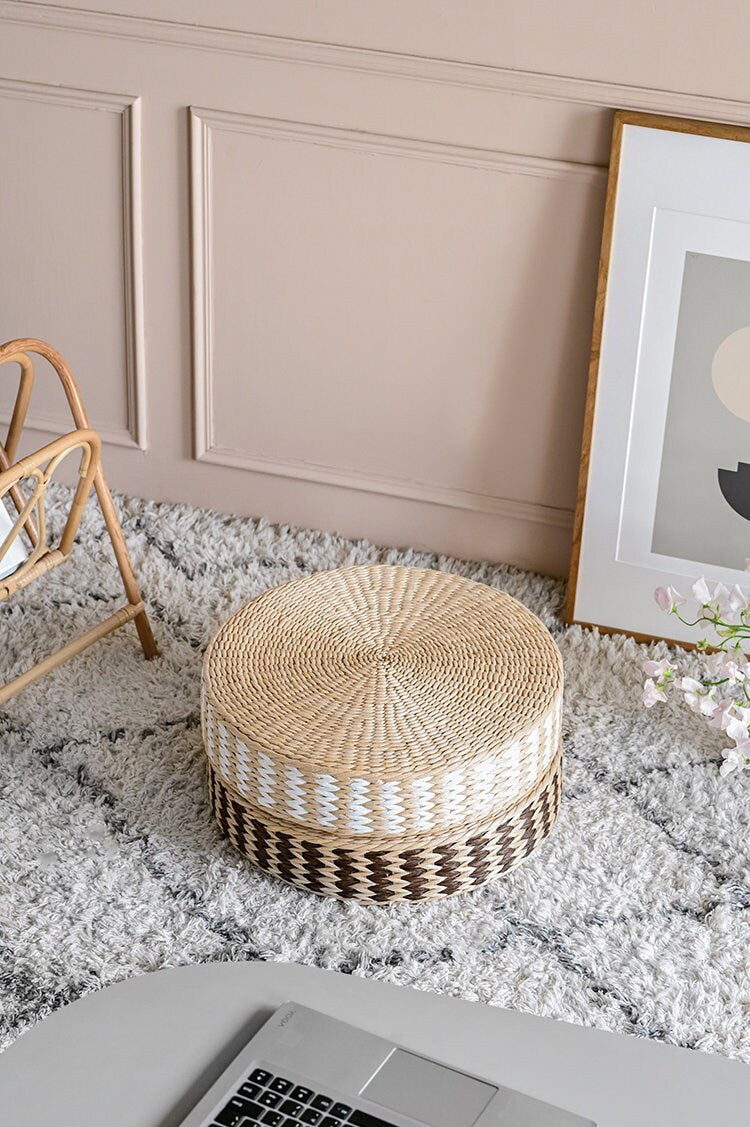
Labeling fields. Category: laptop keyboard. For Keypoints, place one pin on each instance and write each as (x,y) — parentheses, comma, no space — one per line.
(266,1100)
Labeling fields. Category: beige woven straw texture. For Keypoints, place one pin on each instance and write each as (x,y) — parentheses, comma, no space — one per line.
(380,709)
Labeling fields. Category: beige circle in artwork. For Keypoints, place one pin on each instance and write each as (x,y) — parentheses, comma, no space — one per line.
(730,373)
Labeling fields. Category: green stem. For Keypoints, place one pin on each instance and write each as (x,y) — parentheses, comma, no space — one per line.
(736,629)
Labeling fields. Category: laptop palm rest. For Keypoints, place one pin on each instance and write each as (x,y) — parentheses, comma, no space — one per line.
(428,1092)
(344,1062)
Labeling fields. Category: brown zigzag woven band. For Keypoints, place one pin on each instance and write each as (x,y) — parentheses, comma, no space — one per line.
(417,870)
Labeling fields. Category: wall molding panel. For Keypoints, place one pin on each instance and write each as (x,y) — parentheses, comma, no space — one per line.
(203,123)
(128,110)
(553,86)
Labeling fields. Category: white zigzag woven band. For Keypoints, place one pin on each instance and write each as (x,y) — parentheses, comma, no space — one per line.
(393,806)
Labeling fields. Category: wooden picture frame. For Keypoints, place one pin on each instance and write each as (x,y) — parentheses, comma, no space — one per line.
(644,626)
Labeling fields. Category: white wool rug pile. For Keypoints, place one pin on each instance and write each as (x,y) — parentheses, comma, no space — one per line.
(632,916)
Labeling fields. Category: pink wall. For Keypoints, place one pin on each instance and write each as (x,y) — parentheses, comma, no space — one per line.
(334,263)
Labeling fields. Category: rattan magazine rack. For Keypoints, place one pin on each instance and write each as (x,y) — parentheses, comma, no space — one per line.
(24,483)
(384,733)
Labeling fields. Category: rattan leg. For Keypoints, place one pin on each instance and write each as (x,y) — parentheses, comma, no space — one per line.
(130,583)
(78,645)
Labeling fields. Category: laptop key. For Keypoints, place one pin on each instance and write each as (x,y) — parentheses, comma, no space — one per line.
(235,1111)
(280,1084)
(301,1094)
(253,1112)
(364,1119)
(329,1121)
(311,1116)
(249,1091)
(270,1099)
(340,1111)
(291,1107)
(273,1118)
(322,1103)
(260,1076)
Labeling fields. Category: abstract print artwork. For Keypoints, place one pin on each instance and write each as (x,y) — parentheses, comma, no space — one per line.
(706,452)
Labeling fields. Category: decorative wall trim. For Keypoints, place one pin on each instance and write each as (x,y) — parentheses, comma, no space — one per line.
(201,282)
(394,145)
(132,235)
(549,85)
(431,492)
(202,124)
(129,110)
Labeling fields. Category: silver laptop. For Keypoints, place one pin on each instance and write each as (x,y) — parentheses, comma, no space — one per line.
(304,1069)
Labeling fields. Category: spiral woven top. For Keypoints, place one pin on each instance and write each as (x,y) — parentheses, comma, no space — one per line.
(382,673)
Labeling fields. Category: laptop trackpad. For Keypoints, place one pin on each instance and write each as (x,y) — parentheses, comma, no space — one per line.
(428,1092)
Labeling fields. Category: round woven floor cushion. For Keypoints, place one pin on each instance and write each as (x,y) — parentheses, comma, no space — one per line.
(383,732)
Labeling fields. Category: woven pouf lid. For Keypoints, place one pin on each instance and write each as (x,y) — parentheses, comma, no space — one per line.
(384,732)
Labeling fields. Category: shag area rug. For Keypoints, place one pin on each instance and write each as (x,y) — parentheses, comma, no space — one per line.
(632,916)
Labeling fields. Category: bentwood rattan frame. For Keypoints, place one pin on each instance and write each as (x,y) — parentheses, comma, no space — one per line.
(25,482)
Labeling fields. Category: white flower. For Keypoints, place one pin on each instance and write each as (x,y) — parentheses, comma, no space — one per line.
(722,714)
(735,758)
(737,599)
(657,668)
(698,697)
(708,703)
(730,672)
(720,690)
(669,599)
(734,655)
(702,591)
(736,728)
(721,598)
(713,663)
(690,685)
(652,693)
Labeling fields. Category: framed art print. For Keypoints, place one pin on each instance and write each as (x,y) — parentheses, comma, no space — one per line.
(664,488)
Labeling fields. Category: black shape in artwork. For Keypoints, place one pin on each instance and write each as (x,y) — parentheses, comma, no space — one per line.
(735,488)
